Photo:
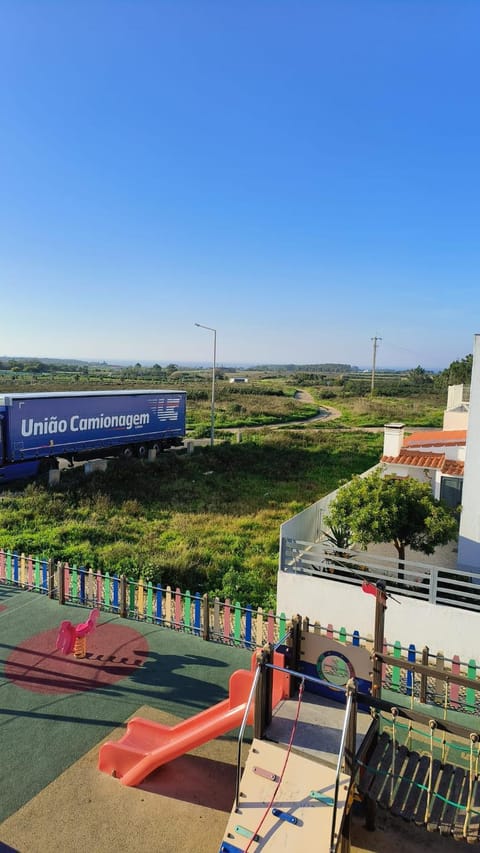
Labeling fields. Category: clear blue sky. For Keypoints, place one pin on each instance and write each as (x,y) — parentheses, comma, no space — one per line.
(300,175)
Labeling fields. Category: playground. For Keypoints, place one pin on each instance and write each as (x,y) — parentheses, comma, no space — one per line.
(56,709)
(60,711)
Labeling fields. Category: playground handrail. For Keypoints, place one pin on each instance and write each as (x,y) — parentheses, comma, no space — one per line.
(243,726)
(341,753)
(242,730)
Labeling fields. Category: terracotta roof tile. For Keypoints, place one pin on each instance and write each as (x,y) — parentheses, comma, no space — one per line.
(436,438)
(454,468)
(414,457)
(426,460)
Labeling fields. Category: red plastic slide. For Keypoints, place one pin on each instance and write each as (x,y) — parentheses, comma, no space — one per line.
(147,745)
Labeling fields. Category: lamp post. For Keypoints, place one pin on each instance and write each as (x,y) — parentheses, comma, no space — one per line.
(212,422)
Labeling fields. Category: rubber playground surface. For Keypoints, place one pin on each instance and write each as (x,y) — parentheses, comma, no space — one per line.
(56,709)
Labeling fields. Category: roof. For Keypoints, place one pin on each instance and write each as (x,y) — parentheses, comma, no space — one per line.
(426,460)
(436,438)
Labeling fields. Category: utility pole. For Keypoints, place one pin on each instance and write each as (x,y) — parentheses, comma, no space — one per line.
(375,347)
(212,412)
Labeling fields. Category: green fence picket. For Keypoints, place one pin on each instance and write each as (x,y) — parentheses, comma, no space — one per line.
(237,623)
(131,605)
(396,672)
(469,693)
(36,574)
(74,583)
(149,600)
(106,591)
(282,626)
(187,610)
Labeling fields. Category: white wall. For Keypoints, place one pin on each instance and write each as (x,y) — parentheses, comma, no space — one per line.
(456,413)
(469,539)
(456,420)
(448,629)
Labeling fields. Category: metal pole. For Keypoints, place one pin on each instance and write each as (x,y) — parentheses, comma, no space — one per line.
(375,345)
(212,425)
(242,731)
(348,711)
(212,415)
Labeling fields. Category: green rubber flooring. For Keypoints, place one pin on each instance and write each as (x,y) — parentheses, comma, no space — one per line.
(54,708)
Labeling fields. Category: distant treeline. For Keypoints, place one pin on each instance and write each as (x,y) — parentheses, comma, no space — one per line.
(308,368)
(350,377)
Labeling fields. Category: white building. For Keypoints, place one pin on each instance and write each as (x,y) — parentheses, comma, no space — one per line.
(449,459)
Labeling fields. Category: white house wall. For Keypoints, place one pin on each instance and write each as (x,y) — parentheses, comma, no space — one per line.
(407,471)
(452,630)
(469,538)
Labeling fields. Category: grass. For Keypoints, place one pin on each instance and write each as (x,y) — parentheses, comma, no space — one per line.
(421,411)
(207,521)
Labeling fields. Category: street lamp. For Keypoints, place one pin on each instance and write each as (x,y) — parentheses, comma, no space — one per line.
(212,423)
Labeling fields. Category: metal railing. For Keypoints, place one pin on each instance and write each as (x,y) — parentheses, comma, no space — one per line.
(436,584)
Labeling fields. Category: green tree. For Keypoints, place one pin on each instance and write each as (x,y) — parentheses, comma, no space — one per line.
(458,373)
(391,509)
(419,376)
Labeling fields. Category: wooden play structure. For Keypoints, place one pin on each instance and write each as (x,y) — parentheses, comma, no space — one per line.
(286,800)
(422,767)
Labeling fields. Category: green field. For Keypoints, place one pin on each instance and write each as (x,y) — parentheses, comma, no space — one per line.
(208,521)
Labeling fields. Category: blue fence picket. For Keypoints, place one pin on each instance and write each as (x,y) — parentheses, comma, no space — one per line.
(411,656)
(197,614)
(248,627)
(44,575)
(159,611)
(115,593)
(82,572)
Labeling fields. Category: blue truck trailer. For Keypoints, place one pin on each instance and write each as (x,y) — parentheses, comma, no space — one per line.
(37,430)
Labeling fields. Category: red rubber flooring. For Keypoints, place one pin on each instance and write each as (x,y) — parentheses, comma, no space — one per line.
(113,652)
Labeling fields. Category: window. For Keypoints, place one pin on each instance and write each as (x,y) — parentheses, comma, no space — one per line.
(451,491)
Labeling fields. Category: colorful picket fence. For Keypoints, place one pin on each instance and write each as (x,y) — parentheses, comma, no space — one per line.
(434,690)
(27,572)
(225,622)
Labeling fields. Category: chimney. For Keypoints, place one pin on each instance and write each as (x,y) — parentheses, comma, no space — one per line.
(393,439)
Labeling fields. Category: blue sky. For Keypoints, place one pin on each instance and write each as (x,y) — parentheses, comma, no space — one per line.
(301,176)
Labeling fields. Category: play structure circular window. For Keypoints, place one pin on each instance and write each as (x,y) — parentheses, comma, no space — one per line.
(334,668)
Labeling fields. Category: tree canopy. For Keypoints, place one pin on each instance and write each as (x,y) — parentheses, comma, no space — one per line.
(403,511)
(458,373)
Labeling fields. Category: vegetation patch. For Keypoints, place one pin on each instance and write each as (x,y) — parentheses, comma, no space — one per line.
(208,521)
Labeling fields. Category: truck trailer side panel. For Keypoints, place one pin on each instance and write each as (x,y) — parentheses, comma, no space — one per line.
(57,425)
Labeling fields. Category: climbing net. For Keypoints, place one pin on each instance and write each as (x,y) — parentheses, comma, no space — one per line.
(442,751)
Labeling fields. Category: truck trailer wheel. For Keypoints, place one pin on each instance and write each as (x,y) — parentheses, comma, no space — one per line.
(142,451)
(127,452)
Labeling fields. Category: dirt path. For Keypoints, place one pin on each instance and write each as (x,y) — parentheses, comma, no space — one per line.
(326,413)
